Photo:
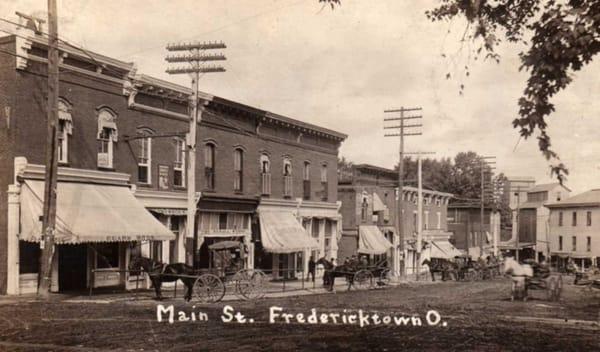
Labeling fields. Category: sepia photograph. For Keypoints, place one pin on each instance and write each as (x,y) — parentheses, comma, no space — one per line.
(299,175)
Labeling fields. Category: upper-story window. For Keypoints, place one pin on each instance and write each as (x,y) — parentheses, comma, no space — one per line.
(574,239)
(589,218)
(144,156)
(238,167)
(265,173)
(364,209)
(64,130)
(560,243)
(560,218)
(324,183)
(209,166)
(179,163)
(107,136)
(306,180)
(574,220)
(287,177)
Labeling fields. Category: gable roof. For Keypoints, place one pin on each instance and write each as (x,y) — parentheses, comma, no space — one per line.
(545,187)
(589,198)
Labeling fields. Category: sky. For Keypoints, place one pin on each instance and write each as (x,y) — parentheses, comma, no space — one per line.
(341,69)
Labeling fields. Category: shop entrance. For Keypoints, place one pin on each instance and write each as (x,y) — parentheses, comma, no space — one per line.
(72,267)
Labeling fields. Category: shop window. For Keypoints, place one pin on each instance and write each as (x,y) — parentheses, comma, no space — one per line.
(315,228)
(306,180)
(223,221)
(107,255)
(64,130)
(589,218)
(209,166)
(179,164)
(560,243)
(238,167)
(29,257)
(144,156)
(107,136)
(174,226)
(156,250)
(287,178)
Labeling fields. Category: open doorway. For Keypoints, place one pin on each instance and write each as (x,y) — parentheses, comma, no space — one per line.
(72,267)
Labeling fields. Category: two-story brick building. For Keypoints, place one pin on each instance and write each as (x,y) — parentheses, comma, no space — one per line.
(464,221)
(369,217)
(123,156)
(574,230)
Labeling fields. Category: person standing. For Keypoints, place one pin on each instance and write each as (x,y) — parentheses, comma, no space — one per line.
(311,268)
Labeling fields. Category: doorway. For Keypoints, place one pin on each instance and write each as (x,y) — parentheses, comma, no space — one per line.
(72,267)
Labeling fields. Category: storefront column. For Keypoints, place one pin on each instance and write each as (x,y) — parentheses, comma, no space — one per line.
(12,286)
(333,245)
(396,255)
(322,238)
(250,255)
(181,241)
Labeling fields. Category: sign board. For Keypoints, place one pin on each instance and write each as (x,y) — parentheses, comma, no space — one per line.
(163,177)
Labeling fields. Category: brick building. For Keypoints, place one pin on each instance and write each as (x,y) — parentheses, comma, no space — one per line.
(257,172)
(464,221)
(369,210)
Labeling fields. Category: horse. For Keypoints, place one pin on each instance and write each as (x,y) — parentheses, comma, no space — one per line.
(519,273)
(440,265)
(160,272)
(333,271)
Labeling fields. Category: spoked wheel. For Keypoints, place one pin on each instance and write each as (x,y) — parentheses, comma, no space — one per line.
(550,288)
(385,277)
(209,288)
(363,279)
(250,283)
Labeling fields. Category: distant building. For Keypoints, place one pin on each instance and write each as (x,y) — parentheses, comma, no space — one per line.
(369,211)
(515,193)
(574,230)
(464,221)
(533,219)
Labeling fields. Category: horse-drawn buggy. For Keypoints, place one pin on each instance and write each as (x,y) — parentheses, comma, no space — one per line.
(210,284)
(589,279)
(358,275)
(532,276)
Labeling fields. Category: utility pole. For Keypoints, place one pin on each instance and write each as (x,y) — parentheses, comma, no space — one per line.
(195,57)
(400,267)
(419,210)
(49,211)
(484,162)
(517,235)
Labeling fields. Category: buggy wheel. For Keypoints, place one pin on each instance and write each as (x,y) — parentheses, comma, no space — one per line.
(550,288)
(209,288)
(250,284)
(385,277)
(363,279)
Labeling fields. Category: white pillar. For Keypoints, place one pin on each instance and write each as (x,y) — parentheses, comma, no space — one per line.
(12,286)
(181,240)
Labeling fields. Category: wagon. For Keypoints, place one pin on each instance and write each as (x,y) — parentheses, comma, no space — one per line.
(377,275)
(552,284)
(213,283)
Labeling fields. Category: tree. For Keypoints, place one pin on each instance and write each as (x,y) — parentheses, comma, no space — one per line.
(562,37)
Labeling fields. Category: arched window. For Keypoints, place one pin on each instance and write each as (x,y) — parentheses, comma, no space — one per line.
(107,136)
(306,180)
(179,163)
(364,209)
(144,155)
(265,174)
(238,169)
(288,182)
(209,166)
(65,129)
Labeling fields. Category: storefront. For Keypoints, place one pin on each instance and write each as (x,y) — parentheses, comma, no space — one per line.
(372,242)
(293,231)
(98,223)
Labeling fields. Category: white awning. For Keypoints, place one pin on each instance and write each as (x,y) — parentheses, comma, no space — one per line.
(280,232)
(90,213)
(378,204)
(442,249)
(372,241)
(169,211)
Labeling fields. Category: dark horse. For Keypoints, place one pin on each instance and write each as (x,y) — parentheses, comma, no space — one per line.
(440,265)
(332,271)
(160,272)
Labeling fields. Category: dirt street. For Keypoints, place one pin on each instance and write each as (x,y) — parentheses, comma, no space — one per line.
(478,316)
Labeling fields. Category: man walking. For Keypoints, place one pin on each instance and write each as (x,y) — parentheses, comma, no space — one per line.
(311,268)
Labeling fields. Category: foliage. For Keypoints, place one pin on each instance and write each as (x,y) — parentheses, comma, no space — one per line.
(564,36)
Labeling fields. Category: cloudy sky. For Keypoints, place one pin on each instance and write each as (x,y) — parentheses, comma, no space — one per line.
(341,69)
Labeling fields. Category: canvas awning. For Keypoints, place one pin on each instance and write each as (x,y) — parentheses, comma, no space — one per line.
(169,211)
(372,241)
(90,213)
(378,204)
(443,249)
(280,232)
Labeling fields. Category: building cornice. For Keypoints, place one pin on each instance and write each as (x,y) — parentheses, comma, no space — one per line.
(27,171)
